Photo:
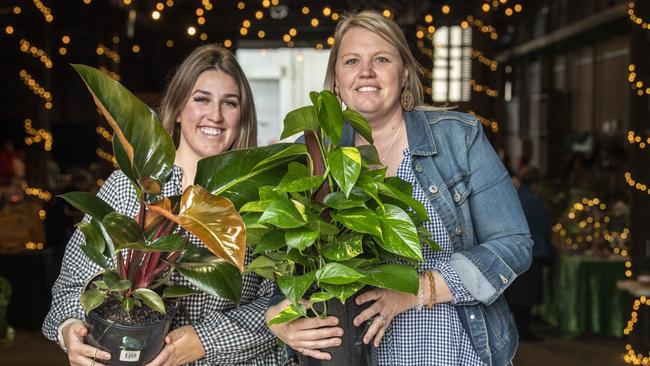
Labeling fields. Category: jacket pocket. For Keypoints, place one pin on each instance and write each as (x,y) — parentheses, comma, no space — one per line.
(501,326)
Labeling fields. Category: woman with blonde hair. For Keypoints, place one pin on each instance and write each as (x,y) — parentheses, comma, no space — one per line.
(459,316)
(208,109)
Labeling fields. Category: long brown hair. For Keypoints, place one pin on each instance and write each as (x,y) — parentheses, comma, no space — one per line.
(177,92)
(389,31)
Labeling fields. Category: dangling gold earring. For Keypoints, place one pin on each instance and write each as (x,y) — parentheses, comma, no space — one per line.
(407,100)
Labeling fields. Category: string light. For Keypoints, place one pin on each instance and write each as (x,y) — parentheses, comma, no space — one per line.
(47,12)
(481,88)
(637,85)
(241,5)
(483,27)
(102,50)
(30,245)
(104,133)
(36,52)
(631,357)
(36,136)
(227,43)
(478,55)
(37,192)
(36,88)
(17,10)
(638,185)
(9,30)
(633,138)
(489,123)
(635,18)
(112,74)
(106,156)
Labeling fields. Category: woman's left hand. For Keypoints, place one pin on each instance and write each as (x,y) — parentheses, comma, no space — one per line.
(387,305)
(182,345)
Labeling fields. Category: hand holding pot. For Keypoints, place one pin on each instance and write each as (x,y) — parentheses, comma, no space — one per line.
(306,335)
(387,305)
(182,345)
(80,353)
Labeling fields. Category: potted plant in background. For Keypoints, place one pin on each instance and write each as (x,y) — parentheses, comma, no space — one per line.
(335,225)
(131,302)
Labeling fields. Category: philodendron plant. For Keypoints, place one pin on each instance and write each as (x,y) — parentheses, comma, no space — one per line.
(335,224)
(139,255)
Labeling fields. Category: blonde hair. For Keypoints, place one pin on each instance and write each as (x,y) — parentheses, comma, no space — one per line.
(391,33)
(178,90)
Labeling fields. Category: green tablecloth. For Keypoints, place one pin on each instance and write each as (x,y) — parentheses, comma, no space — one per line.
(585,297)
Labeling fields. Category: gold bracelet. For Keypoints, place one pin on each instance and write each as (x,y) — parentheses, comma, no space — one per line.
(432,283)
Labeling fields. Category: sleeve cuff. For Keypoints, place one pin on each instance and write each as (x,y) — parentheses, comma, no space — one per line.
(459,293)
(59,333)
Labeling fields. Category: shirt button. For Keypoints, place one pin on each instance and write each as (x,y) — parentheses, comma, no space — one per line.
(459,230)
(472,317)
(456,197)
(418,168)
(433,189)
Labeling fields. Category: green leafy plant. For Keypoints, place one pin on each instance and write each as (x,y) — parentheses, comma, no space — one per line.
(139,255)
(334,223)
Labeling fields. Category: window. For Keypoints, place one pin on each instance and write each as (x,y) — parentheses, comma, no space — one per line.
(452,64)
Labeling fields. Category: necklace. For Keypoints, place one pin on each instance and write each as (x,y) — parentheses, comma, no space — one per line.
(390,147)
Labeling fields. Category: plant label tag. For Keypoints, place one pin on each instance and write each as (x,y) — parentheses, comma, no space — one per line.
(129,356)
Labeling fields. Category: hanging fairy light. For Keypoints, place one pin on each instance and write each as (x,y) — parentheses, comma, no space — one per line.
(41,55)
(36,88)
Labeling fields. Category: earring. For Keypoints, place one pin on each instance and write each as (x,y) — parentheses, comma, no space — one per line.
(406,99)
(337,91)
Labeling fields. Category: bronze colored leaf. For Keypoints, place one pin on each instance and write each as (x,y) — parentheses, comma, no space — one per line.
(215,221)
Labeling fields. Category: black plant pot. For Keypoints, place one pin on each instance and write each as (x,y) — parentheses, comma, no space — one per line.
(352,351)
(128,345)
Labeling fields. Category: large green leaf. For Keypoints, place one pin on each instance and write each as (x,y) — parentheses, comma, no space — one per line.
(343,292)
(348,246)
(330,116)
(345,165)
(291,312)
(369,155)
(91,299)
(399,235)
(178,291)
(286,214)
(271,241)
(316,223)
(302,184)
(299,120)
(122,159)
(255,206)
(300,238)
(398,277)
(359,124)
(238,174)
(360,220)
(338,201)
(114,282)
(266,264)
(93,236)
(337,274)
(93,254)
(294,287)
(150,298)
(88,203)
(269,193)
(320,297)
(149,147)
(168,243)
(122,229)
(399,194)
(218,278)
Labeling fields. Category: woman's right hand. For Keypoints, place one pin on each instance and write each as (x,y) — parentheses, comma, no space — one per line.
(79,353)
(306,335)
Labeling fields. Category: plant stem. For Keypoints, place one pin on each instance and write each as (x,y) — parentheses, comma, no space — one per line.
(315,151)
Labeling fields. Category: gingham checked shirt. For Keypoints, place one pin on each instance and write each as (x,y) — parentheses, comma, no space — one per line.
(230,334)
(433,336)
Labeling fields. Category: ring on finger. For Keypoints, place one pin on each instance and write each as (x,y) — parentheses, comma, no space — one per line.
(382,319)
(304,350)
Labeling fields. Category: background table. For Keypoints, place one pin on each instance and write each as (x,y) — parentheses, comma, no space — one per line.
(585,297)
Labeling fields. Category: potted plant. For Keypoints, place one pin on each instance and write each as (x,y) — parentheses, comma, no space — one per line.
(131,302)
(335,224)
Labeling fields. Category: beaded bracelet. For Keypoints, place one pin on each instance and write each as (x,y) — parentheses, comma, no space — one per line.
(432,283)
(420,304)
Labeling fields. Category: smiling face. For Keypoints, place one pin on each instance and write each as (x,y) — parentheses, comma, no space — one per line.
(369,74)
(210,118)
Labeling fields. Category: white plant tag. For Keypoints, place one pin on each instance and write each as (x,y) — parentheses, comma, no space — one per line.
(129,356)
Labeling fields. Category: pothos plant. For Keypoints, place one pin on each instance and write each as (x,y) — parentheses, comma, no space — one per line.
(337,223)
(139,255)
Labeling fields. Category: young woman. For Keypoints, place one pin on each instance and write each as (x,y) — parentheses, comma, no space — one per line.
(459,316)
(207,108)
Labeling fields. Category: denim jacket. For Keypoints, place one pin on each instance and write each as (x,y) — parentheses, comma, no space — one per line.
(472,193)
